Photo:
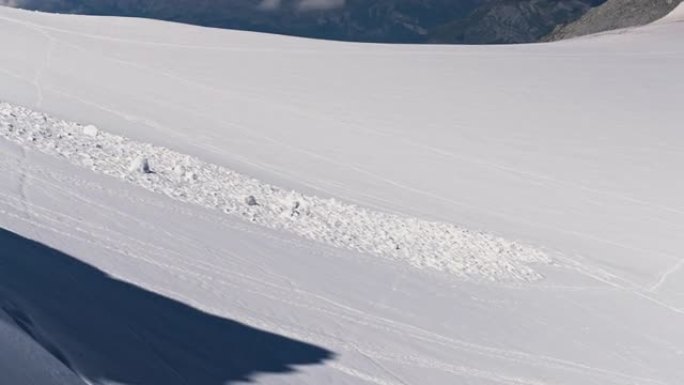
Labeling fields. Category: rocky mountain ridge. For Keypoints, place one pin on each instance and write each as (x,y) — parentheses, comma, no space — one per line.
(615,14)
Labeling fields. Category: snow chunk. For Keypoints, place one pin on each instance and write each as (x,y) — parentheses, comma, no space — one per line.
(90,130)
(140,164)
(251,201)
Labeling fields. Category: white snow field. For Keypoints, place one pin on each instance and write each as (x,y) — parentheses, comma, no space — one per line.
(421,214)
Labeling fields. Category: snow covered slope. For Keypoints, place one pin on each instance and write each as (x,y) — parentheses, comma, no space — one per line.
(571,148)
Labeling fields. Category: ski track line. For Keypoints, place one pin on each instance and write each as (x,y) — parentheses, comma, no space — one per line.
(384,369)
(40,97)
(14,75)
(666,275)
(362,376)
(607,278)
(22,182)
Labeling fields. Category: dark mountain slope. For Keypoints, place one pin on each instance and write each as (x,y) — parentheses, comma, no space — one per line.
(615,14)
(511,21)
(392,21)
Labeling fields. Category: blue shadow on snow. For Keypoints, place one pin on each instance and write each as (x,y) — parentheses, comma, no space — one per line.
(108,330)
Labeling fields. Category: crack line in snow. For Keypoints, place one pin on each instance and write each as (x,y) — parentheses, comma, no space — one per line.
(421,243)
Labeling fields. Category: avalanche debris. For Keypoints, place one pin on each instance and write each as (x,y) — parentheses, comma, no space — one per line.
(419,242)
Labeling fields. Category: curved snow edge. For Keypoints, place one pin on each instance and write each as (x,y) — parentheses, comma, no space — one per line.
(675,15)
(421,243)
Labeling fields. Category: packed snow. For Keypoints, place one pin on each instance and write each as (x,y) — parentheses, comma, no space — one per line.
(142,235)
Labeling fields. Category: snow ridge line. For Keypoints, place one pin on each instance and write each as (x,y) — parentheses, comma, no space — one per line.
(421,243)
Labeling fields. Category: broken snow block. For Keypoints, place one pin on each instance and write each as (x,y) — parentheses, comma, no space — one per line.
(295,210)
(90,130)
(140,164)
(251,201)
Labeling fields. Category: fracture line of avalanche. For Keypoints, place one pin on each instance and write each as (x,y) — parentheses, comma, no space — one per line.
(421,243)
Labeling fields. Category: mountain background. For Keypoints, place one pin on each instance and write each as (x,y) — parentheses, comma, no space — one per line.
(614,14)
(387,21)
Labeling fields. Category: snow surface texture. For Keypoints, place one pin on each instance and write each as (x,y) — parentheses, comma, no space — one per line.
(574,146)
(421,243)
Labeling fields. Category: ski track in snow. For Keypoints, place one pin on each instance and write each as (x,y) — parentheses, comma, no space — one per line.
(421,243)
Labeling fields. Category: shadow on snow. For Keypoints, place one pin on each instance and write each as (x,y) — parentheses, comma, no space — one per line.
(106,329)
